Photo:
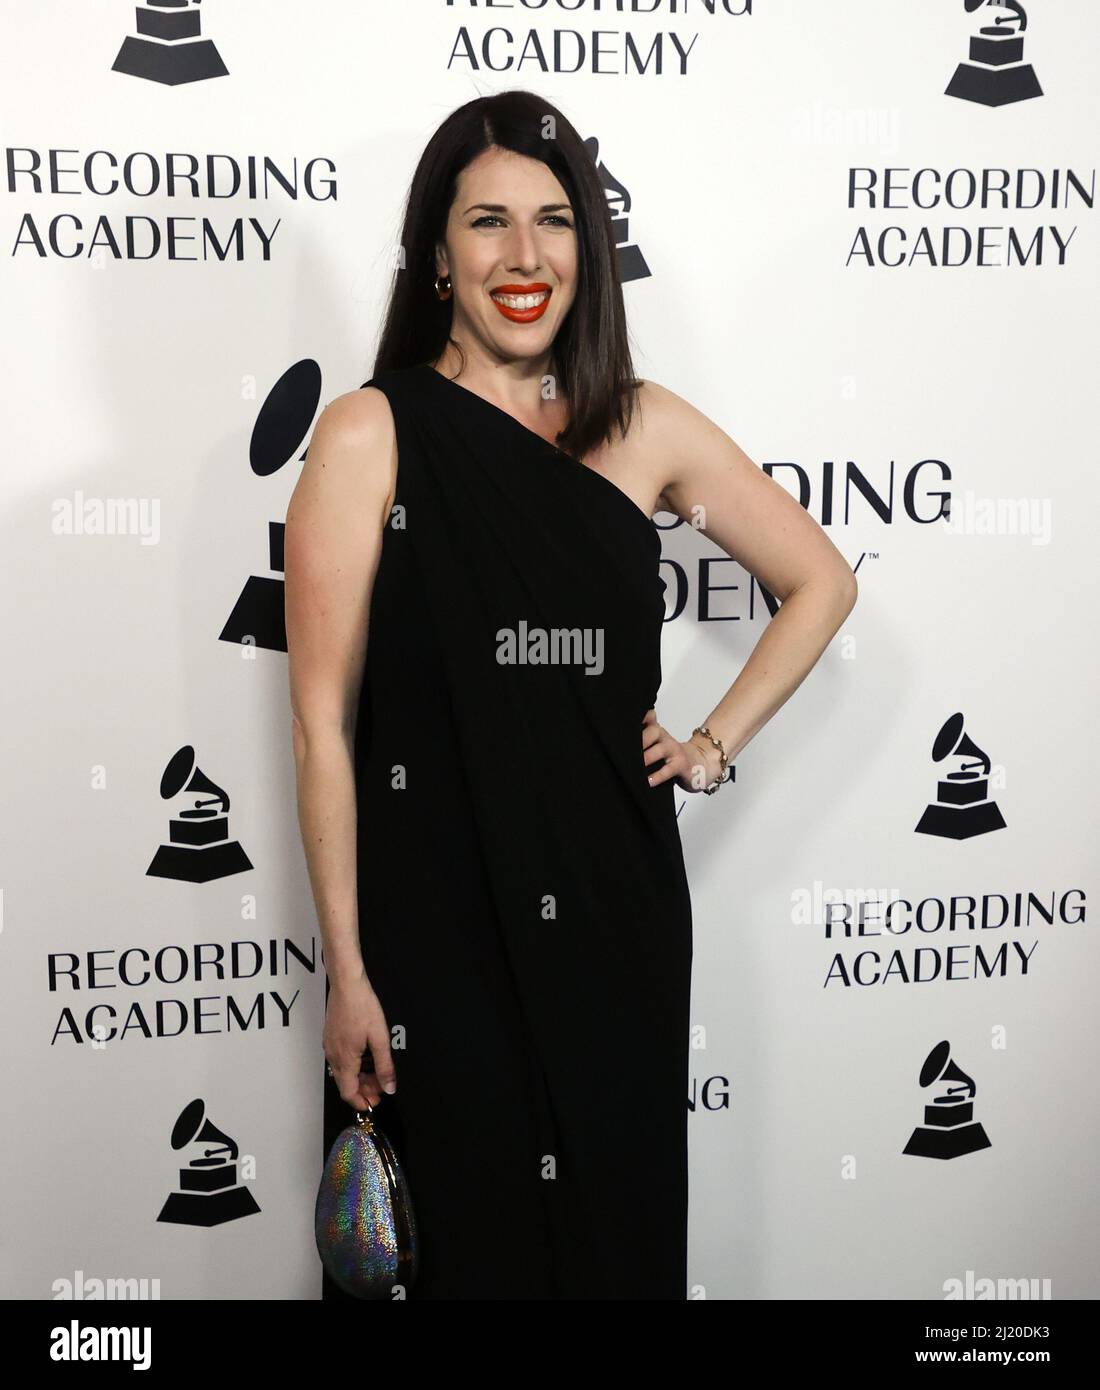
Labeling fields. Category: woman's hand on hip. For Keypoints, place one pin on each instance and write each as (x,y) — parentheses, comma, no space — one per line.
(692,765)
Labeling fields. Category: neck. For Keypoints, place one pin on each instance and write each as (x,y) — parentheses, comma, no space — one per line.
(517,385)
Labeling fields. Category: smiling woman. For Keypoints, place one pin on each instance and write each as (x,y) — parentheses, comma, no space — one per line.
(492,840)
(509,253)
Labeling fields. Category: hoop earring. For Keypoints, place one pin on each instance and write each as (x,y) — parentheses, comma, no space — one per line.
(443,294)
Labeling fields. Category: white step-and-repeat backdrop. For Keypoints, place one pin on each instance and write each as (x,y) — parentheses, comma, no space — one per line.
(862,236)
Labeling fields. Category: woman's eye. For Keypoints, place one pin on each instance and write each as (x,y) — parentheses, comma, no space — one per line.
(489,217)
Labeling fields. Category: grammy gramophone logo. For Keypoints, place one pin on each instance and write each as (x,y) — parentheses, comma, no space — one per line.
(168,46)
(632,264)
(950,1129)
(209,1193)
(259,615)
(962,807)
(199,848)
(996,74)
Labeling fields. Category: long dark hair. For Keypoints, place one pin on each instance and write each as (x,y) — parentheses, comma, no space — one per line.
(591,356)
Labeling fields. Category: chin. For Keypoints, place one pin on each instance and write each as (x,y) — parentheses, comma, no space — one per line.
(520,344)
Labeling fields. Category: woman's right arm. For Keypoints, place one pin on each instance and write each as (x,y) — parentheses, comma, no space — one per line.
(333,542)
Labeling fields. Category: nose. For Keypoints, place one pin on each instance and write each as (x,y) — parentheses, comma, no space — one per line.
(522,253)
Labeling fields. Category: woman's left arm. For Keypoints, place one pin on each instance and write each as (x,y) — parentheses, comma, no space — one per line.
(717,489)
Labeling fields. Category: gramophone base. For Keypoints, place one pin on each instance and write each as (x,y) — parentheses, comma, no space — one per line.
(189,1209)
(960,822)
(947,1143)
(199,865)
(994,87)
(259,616)
(632,264)
(169,64)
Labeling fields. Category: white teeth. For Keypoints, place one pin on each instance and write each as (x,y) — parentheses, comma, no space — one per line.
(522,301)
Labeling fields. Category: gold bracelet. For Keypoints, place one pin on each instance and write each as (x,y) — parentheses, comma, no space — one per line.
(725,773)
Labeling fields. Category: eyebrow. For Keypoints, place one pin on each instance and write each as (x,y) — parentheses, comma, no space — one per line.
(502,207)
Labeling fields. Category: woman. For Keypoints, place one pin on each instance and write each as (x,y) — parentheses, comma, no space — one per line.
(485,792)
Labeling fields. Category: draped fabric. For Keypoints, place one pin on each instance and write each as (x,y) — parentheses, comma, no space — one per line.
(523,908)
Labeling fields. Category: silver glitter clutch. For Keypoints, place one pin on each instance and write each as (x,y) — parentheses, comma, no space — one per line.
(363,1219)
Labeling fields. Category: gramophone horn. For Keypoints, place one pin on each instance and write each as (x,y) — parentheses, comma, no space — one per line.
(187,1126)
(968,748)
(956,1073)
(951,739)
(211,1134)
(934,1063)
(181,775)
(199,782)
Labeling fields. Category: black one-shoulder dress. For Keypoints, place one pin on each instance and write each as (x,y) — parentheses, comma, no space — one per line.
(523,906)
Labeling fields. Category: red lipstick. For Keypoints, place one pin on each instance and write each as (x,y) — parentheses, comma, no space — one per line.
(527,302)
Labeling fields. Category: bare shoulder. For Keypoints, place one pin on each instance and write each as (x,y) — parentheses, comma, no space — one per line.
(351,460)
(664,415)
(354,421)
(669,431)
